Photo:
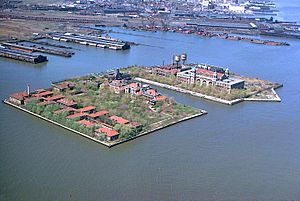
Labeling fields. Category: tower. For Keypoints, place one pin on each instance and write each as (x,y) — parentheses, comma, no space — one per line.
(28,89)
(183,57)
(177,59)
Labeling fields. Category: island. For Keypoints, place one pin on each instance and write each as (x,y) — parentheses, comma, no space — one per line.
(206,81)
(108,108)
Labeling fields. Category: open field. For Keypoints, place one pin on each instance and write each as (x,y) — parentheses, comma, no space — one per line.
(24,29)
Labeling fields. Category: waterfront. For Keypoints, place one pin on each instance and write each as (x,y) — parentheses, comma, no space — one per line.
(246,151)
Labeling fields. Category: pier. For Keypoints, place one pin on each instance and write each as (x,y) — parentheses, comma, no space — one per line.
(47,44)
(42,49)
(22,56)
(95,41)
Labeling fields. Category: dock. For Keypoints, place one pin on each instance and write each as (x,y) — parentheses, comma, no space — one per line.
(22,56)
(42,49)
(48,44)
(102,42)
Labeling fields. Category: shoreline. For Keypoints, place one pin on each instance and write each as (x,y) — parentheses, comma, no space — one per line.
(207,97)
(107,144)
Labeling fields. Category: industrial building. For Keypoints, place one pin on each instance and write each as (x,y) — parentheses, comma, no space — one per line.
(203,74)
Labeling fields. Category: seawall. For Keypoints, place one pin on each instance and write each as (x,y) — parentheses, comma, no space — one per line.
(108,144)
(211,98)
(189,92)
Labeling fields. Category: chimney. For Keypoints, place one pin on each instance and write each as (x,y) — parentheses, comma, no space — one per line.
(173,59)
(28,89)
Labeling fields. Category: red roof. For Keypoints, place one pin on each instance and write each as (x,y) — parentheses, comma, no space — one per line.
(76,115)
(134,85)
(32,99)
(42,94)
(40,91)
(67,102)
(135,124)
(207,73)
(54,98)
(108,132)
(98,114)
(19,95)
(171,71)
(86,109)
(117,82)
(119,120)
(119,88)
(64,85)
(139,93)
(160,98)
(86,123)
(151,92)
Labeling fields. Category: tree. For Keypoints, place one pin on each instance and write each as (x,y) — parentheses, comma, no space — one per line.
(124,130)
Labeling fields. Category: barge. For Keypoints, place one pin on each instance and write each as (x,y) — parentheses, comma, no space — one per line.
(103,42)
(42,49)
(22,56)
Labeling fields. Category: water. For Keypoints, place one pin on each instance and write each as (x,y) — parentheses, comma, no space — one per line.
(249,151)
(288,10)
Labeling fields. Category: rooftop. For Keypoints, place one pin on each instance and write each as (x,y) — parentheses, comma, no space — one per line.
(98,114)
(43,93)
(54,98)
(86,123)
(19,95)
(64,85)
(119,120)
(67,102)
(135,124)
(86,109)
(152,92)
(160,98)
(108,132)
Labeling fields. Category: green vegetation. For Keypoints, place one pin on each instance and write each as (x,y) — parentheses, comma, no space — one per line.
(214,91)
(130,107)
(48,112)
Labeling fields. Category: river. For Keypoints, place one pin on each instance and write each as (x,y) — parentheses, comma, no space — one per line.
(249,151)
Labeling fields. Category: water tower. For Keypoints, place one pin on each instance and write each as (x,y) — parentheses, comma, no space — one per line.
(177,59)
(184,57)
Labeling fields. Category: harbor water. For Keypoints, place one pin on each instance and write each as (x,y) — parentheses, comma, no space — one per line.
(249,151)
